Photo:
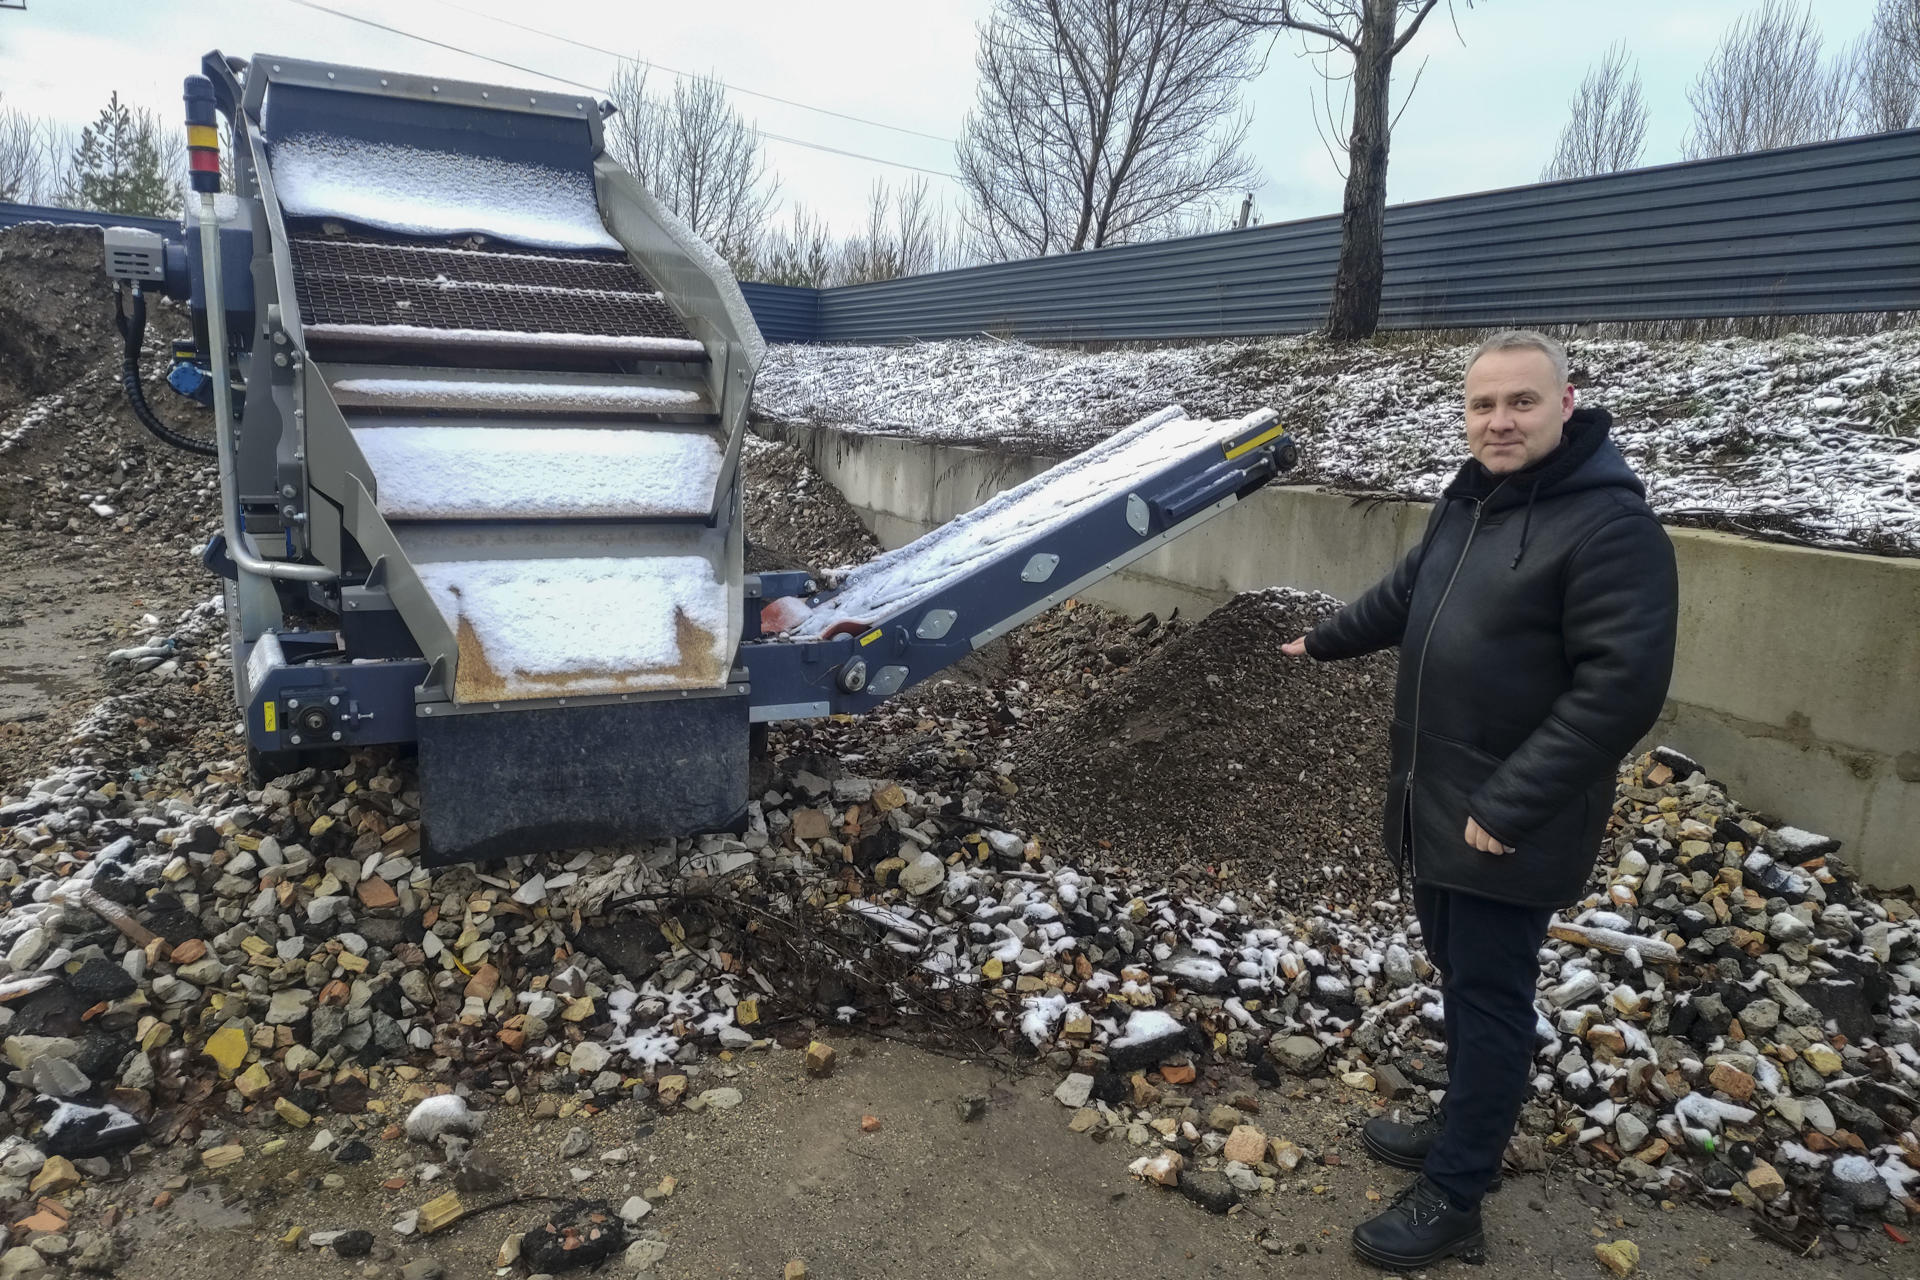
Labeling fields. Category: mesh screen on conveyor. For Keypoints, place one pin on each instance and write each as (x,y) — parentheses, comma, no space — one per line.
(361,280)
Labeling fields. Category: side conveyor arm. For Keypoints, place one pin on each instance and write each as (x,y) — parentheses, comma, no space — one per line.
(925,606)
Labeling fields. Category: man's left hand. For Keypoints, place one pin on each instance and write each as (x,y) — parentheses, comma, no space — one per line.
(1477,837)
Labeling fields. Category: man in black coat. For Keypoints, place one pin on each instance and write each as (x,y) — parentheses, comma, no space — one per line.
(1536,628)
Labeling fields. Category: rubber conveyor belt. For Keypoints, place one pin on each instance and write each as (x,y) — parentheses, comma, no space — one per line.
(921,607)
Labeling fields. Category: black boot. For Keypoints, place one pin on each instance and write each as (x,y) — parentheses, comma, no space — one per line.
(1400,1143)
(1404,1144)
(1421,1228)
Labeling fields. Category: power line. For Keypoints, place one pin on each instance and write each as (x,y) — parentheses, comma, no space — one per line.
(441,44)
(601,89)
(661,66)
(821,146)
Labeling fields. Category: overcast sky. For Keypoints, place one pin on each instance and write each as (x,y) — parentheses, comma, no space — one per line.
(1485,115)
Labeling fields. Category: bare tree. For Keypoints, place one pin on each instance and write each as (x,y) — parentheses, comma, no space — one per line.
(1098,122)
(900,237)
(800,253)
(1606,128)
(1769,84)
(1887,69)
(29,157)
(697,155)
(1372,34)
(1899,22)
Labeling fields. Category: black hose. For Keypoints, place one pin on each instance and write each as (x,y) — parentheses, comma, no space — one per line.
(133,328)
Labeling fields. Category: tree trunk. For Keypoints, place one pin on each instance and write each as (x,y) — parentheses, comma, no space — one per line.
(1356,284)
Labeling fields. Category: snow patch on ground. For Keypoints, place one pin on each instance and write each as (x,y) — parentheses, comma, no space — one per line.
(437,193)
(1808,437)
(1145,1026)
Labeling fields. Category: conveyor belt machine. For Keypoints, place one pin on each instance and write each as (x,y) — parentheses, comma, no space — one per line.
(479,402)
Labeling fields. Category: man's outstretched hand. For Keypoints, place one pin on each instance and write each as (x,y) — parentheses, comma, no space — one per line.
(1477,837)
(1295,648)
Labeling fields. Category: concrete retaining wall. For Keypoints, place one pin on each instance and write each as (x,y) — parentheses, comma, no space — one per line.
(1798,680)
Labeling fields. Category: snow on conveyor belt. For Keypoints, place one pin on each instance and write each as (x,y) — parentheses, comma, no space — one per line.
(437,193)
(470,472)
(576,626)
(898,580)
(549,395)
(425,335)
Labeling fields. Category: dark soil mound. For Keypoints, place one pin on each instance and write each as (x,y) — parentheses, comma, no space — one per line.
(1218,750)
(56,309)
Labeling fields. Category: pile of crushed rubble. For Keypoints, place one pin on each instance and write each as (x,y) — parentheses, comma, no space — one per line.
(186,955)
(795,519)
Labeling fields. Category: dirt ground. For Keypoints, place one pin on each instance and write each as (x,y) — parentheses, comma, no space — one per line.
(789,1174)
(46,659)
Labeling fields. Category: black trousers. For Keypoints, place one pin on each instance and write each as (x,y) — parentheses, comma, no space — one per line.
(1488,955)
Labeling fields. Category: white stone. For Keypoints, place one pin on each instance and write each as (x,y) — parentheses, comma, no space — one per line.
(28,949)
(642,1254)
(589,1056)
(1074,1090)
(923,875)
(1631,1131)
(1398,967)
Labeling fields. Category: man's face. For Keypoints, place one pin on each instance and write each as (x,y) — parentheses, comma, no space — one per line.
(1516,408)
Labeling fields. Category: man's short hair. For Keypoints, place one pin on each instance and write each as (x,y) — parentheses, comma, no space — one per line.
(1523,340)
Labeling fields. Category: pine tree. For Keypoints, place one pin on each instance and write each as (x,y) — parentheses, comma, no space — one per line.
(122,164)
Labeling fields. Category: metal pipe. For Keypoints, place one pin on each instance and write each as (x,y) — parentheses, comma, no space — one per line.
(237,545)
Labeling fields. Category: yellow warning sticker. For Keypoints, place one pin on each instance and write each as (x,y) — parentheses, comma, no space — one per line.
(267,716)
(1247,446)
(870,637)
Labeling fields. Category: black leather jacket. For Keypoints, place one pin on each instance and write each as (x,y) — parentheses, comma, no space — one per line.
(1536,629)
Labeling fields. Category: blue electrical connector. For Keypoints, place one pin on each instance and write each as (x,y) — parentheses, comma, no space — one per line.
(189,377)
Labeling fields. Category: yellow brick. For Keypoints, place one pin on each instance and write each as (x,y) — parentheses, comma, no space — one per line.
(227,1046)
(253,1083)
(439,1214)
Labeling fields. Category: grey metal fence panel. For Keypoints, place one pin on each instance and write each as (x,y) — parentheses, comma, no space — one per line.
(1826,228)
(1830,227)
(13,214)
(785,313)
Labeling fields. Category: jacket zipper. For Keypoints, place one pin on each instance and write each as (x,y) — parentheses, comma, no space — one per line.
(1420,677)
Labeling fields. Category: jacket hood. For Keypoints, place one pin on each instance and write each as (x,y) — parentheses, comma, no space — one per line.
(1586,459)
